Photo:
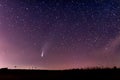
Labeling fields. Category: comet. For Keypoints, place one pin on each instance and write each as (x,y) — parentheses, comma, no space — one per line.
(42,54)
(44,49)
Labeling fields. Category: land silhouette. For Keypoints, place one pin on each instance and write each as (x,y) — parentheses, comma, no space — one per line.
(72,74)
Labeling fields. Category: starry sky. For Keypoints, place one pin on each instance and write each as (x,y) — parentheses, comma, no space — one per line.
(59,34)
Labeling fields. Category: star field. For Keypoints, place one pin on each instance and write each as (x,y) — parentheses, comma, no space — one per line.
(59,34)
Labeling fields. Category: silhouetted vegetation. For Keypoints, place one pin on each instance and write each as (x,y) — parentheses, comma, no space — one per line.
(73,74)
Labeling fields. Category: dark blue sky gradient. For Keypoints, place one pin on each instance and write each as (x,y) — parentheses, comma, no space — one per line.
(69,33)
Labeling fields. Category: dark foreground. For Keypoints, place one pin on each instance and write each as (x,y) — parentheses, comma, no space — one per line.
(92,74)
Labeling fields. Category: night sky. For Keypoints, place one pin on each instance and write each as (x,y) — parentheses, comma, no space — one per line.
(59,34)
